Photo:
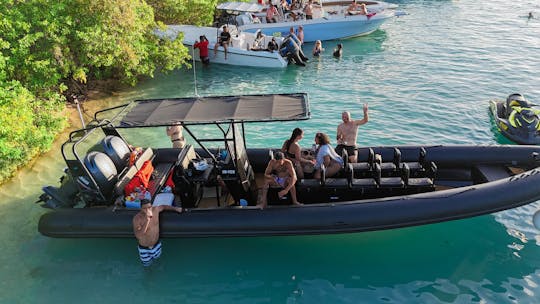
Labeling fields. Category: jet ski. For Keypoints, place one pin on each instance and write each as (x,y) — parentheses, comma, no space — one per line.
(517,119)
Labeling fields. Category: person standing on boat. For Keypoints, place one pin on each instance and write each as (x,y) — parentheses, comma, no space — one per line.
(224,40)
(175,133)
(347,134)
(271,13)
(326,155)
(279,173)
(308,10)
(202,45)
(146,230)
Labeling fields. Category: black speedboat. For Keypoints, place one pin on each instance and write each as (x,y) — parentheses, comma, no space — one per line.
(405,186)
(517,119)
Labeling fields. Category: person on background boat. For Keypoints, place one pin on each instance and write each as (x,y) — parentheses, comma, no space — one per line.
(347,134)
(272,45)
(357,9)
(292,152)
(175,133)
(326,155)
(338,51)
(308,10)
(258,43)
(317,48)
(202,45)
(224,40)
(146,230)
(279,173)
(271,13)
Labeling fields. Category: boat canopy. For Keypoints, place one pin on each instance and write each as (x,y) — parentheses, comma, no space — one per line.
(240,7)
(216,109)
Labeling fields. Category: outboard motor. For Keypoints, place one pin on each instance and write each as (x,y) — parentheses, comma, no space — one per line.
(103,170)
(117,149)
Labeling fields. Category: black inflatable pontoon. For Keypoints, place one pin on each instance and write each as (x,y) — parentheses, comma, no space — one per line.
(412,185)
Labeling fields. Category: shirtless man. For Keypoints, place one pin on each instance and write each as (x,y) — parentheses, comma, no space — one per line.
(146,229)
(175,133)
(347,133)
(357,9)
(279,173)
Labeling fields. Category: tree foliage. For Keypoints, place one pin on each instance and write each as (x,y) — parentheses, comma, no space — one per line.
(197,12)
(49,49)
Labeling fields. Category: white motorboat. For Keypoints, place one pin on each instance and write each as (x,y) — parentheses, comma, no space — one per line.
(238,53)
(330,20)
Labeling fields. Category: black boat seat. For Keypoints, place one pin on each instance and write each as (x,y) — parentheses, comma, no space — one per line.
(344,181)
(417,168)
(364,169)
(391,169)
(420,184)
(387,182)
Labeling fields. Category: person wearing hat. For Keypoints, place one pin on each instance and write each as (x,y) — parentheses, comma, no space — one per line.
(279,173)
(224,40)
(146,230)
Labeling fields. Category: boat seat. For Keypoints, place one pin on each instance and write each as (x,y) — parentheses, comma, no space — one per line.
(391,169)
(103,171)
(417,168)
(386,182)
(364,169)
(117,150)
(419,184)
(127,175)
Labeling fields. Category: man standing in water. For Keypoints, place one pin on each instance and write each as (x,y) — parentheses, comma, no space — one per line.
(347,133)
(146,229)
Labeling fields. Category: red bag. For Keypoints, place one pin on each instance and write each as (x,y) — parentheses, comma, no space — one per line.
(141,178)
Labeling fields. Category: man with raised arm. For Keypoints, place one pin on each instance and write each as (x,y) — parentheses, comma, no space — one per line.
(347,133)
(146,229)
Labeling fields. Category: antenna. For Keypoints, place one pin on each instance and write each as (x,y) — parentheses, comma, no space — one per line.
(194,72)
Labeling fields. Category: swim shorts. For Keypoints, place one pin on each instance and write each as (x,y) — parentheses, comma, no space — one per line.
(350,149)
(280,180)
(149,254)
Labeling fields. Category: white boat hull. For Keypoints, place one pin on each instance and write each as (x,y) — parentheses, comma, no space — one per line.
(237,53)
(331,28)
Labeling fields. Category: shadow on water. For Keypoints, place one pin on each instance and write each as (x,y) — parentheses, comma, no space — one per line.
(429,262)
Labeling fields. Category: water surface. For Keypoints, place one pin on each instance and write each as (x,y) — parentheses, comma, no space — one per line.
(427,78)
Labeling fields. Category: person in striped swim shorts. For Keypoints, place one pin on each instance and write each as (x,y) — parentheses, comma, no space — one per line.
(146,229)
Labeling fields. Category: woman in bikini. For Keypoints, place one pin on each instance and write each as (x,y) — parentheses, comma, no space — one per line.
(292,151)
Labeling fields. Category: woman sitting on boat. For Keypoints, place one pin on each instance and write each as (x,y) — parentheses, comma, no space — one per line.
(292,151)
(258,43)
(326,155)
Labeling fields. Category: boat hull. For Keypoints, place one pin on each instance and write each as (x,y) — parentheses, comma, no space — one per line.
(342,217)
(237,53)
(324,28)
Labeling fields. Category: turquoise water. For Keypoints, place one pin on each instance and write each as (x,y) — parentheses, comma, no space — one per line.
(427,78)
